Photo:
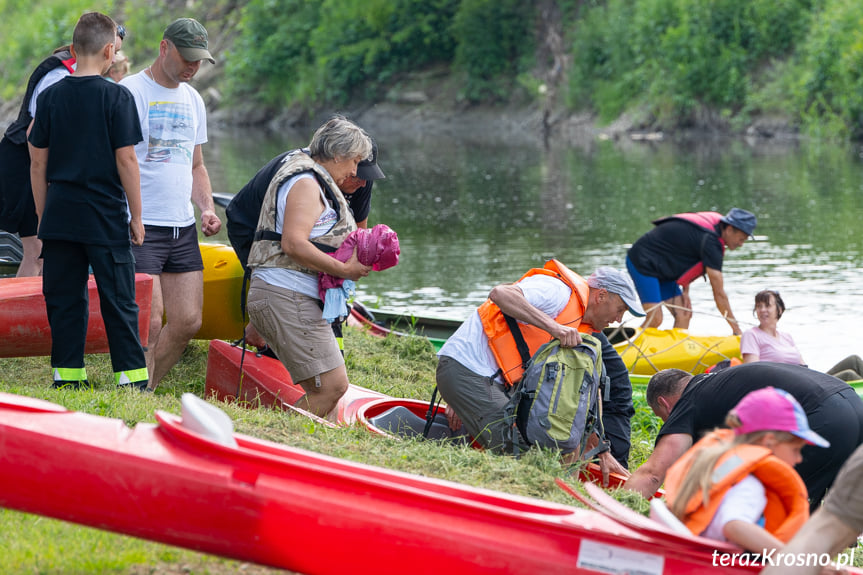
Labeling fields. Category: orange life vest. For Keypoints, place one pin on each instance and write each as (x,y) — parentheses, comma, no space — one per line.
(500,338)
(704,220)
(787,503)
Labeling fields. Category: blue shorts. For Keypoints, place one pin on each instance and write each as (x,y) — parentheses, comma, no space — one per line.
(169,250)
(650,289)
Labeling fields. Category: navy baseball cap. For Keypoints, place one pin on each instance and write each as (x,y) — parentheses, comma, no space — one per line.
(741,219)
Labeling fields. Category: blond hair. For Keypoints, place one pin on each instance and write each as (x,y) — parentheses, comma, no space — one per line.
(700,473)
(120,65)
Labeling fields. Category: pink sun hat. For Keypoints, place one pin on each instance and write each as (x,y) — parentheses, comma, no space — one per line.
(771,409)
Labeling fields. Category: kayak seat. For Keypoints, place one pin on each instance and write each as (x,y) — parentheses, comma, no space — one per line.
(11,250)
(400,420)
(619,334)
(207,420)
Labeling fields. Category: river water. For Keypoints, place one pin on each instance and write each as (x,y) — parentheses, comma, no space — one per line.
(472,214)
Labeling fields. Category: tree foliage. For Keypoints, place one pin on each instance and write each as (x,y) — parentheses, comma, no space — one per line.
(827,74)
(312,51)
(30,32)
(676,55)
(492,38)
(665,60)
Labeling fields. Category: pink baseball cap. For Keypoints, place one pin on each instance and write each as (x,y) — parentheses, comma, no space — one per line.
(771,409)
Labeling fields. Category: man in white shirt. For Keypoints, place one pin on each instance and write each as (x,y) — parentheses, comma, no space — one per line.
(173,175)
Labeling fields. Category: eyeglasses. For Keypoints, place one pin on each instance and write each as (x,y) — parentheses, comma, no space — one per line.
(121,31)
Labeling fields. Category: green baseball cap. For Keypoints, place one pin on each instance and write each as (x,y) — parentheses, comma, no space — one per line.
(190,38)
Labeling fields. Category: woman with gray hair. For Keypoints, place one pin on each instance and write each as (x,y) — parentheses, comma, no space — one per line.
(304,217)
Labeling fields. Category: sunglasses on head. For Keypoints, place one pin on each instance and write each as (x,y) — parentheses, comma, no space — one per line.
(121,31)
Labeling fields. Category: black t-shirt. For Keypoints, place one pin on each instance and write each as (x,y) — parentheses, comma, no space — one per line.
(708,398)
(671,248)
(84,120)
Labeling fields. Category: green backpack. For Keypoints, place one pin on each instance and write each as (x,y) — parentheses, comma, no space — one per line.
(557,403)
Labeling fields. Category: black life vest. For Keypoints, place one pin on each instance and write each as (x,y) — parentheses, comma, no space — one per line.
(17,130)
(245,209)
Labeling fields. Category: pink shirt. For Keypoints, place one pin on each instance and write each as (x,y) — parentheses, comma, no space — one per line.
(780,349)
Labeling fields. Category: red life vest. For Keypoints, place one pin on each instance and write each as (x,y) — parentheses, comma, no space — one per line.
(704,220)
(500,339)
(787,503)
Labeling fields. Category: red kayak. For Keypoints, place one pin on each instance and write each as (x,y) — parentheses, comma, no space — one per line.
(192,482)
(266,382)
(24,329)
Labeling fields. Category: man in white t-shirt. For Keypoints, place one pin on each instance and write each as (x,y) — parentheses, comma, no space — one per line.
(173,175)
(469,375)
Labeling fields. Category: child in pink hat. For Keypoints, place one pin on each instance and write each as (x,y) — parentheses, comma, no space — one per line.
(739,484)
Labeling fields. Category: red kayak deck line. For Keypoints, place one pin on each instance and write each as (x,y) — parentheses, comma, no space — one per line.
(24,329)
(276,505)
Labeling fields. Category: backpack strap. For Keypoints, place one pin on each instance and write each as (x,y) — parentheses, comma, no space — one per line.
(597,426)
(520,343)
(512,433)
(431,413)
(517,393)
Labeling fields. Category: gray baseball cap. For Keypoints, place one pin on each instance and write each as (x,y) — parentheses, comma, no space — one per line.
(190,38)
(619,282)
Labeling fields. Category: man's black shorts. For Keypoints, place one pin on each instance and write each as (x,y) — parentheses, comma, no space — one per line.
(168,250)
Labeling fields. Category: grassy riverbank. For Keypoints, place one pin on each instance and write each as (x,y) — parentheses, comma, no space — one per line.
(399,367)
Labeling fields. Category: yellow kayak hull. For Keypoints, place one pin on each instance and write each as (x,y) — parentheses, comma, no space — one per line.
(647,351)
(223,281)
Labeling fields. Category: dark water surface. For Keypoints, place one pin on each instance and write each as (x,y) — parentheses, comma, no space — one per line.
(471,215)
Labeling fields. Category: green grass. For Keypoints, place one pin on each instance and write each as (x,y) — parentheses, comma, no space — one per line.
(402,367)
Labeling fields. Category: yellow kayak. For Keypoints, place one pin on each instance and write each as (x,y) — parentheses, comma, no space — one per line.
(647,351)
(223,280)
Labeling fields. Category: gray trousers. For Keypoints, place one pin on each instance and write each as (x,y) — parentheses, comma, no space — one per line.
(479,402)
(849,369)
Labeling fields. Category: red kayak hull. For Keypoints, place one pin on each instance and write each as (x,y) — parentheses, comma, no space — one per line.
(266,382)
(274,505)
(24,329)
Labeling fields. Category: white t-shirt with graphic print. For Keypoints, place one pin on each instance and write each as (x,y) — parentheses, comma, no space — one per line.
(173,122)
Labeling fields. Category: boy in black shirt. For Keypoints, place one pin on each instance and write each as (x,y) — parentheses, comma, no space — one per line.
(81,193)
